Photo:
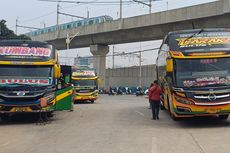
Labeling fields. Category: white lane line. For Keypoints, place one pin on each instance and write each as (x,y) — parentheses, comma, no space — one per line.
(139,113)
(154,145)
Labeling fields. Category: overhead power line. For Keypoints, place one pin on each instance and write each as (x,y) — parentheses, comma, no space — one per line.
(72,15)
(36,18)
(98,2)
(27,27)
(123,53)
(87,2)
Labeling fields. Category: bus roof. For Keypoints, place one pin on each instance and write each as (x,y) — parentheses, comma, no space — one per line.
(26,50)
(19,42)
(197,30)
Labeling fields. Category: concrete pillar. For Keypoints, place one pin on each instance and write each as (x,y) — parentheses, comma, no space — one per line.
(99,52)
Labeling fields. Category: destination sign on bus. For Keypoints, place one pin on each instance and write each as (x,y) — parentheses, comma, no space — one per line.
(25,51)
(193,42)
(205,41)
(83,73)
(25,81)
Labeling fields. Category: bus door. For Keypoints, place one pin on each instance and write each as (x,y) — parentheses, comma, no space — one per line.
(64,94)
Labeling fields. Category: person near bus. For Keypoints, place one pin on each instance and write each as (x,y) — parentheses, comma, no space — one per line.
(148,94)
(154,98)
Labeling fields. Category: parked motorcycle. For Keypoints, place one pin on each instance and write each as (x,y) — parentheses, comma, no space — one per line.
(139,92)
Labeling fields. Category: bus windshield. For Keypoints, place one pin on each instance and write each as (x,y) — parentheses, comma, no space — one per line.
(202,72)
(85,83)
(26,75)
(26,71)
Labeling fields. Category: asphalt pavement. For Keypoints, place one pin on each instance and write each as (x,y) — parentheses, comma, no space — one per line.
(114,124)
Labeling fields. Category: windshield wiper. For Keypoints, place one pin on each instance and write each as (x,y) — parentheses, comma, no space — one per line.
(216,85)
(197,33)
(20,84)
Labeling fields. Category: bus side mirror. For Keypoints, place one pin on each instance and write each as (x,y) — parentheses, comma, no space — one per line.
(169,65)
(99,81)
(165,48)
(57,71)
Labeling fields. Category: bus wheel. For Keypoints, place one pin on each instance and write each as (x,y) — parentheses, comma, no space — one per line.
(162,106)
(223,117)
(50,114)
(92,101)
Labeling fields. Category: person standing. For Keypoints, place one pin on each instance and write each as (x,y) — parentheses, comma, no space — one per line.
(149,96)
(154,98)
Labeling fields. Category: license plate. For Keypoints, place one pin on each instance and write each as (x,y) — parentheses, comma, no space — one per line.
(213,110)
(21,109)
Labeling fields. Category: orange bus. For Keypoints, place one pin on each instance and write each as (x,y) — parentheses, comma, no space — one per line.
(193,68)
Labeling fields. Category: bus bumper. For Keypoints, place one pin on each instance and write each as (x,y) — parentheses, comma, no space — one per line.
(32,107)
(79,97)
(23,109)
(186,110)
(85,99)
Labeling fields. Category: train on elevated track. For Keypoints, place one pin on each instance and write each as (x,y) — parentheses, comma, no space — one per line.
(71,25)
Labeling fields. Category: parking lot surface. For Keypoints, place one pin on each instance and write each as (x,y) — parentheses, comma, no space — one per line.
(114,124)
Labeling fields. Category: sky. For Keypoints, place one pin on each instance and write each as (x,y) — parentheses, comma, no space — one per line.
(35,13)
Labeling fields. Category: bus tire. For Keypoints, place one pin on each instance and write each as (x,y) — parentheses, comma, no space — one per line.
(223,117)
(162,105)
(92,101)
(50,114)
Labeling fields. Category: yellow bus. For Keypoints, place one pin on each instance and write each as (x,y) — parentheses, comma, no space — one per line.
(193,68)
(29,77)
(86,84)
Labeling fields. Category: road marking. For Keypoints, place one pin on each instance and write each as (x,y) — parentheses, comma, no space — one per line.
(197,143)
(139,113)
(154,145)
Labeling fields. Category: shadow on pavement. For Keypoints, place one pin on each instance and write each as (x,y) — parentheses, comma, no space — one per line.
(202,122)
(21,119)
(83,102)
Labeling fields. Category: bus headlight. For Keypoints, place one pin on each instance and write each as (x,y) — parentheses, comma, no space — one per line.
(49,97)
(180,94)
(94,94)
(184,101)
